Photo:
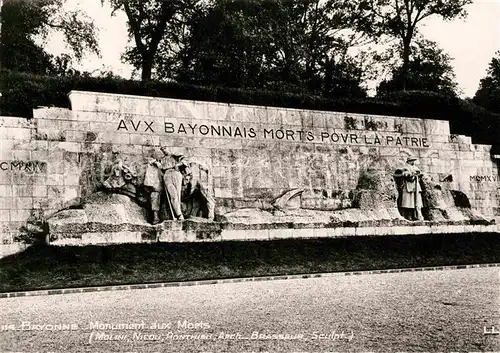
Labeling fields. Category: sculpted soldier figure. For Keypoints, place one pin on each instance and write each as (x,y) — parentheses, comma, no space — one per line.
(410,192)
(166,174)
(171,184)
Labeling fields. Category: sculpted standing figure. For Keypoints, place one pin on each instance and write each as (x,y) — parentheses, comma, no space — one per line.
(153,180)
(411,191)
(174,169)
(166,175)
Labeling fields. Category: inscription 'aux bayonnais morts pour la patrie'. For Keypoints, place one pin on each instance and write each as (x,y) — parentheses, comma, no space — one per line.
(209,130)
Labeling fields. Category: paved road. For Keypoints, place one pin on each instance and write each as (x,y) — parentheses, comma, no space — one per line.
(413,311)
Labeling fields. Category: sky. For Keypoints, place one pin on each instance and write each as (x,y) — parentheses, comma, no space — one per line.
(471,42)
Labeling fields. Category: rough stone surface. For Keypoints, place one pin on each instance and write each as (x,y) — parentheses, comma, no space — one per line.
(100,212)
(90,225)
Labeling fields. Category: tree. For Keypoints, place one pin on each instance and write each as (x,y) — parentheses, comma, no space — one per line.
(152,25)
(26,22)
(229,53)
(342,79)
(307,40)
(400,19)
(429,69)
(488,94)
(286,45)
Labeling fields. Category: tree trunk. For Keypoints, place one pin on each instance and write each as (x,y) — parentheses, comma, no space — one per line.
(406,58)
(147,68)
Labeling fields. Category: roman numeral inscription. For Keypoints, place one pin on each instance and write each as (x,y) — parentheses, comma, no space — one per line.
(30,167)
(482,178)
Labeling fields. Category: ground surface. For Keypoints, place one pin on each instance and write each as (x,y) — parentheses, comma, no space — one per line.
(437,311)
(46,267)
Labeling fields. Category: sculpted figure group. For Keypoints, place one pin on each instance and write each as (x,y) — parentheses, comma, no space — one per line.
(169,174)
(173,187)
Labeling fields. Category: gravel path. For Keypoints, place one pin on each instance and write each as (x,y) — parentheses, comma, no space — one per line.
(412,311)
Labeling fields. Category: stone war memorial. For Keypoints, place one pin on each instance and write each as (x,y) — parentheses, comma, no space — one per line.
(131,169)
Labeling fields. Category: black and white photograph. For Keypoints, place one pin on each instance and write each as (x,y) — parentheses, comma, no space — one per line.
(240,176)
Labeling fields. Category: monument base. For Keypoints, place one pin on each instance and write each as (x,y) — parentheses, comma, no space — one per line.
(194,231)
(113,218)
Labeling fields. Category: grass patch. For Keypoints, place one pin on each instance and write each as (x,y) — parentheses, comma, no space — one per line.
(43,267)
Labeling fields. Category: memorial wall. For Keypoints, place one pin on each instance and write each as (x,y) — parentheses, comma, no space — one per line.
(248,157)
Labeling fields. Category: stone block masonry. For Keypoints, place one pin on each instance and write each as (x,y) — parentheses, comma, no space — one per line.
(254,153)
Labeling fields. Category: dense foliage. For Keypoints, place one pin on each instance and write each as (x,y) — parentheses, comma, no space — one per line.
(488,94)
(26,24)
(153,27)
(307,47)
(295,46)
(401,19)
(429,69)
